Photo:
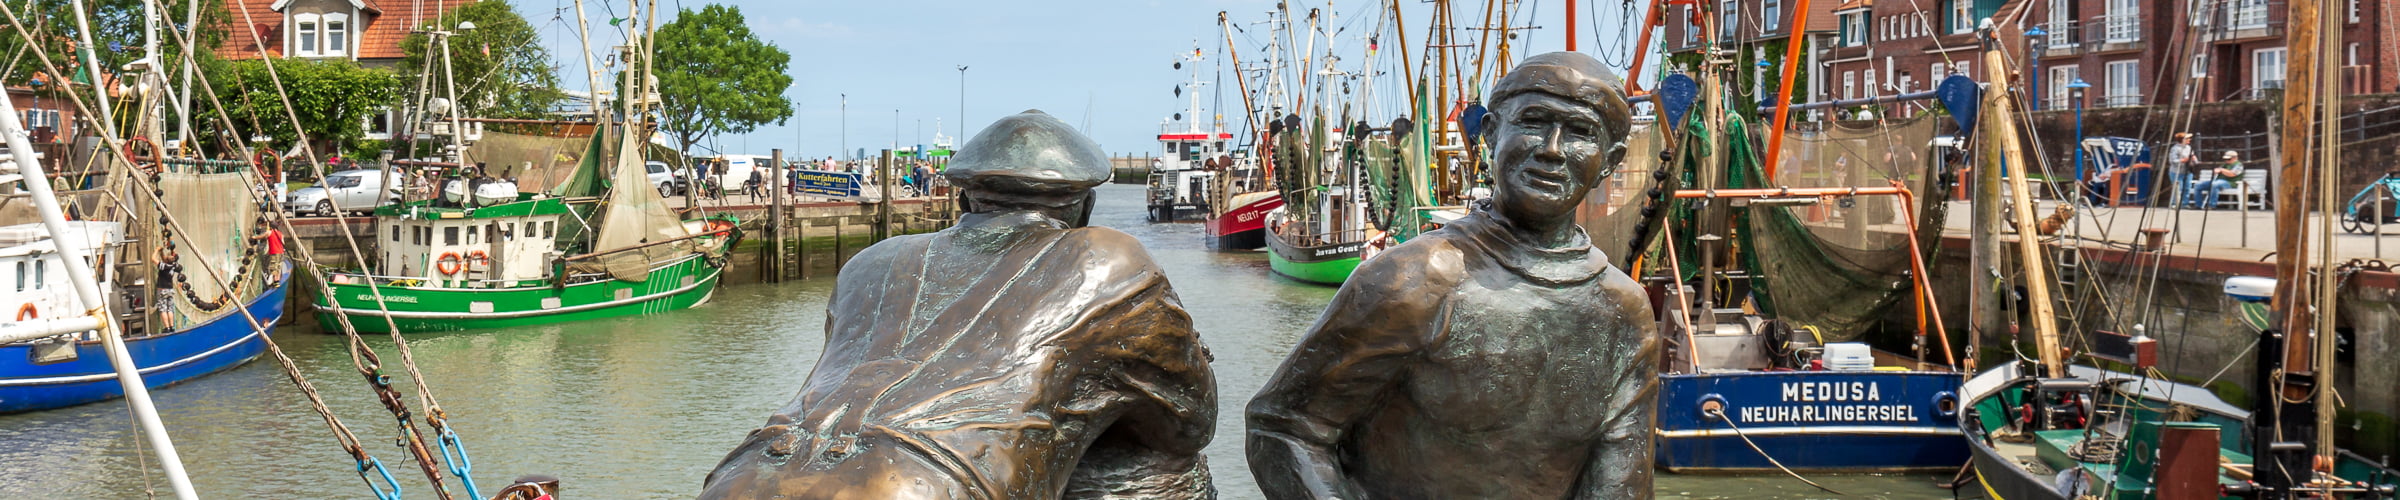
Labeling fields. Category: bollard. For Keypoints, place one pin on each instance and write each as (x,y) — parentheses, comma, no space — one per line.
(2154,239)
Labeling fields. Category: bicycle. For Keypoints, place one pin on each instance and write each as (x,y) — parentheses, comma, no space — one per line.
(2374,206)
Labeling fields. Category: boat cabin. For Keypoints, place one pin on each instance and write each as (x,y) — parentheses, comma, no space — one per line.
(33,281)
(482,247)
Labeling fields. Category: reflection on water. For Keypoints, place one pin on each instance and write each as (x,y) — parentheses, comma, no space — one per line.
(644,407)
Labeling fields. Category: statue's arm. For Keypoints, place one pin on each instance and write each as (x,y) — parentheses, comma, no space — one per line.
(1620,464)
(1176,409)
(1344,366)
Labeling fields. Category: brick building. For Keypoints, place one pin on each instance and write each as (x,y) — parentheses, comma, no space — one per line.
(367,31)
(2131,52)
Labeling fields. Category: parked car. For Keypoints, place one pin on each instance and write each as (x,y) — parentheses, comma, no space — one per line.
(352,190)
(661,178)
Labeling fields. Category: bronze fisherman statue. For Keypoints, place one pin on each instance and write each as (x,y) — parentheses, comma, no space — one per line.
(1499,357)
(1017,355)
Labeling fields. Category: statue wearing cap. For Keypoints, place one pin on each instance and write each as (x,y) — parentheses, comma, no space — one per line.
(1016,355)
(1498,357)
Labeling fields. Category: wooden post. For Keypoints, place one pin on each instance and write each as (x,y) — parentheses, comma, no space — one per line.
(800,233)
(2291,202)
(2001,128)
(775,215)
(883,205)
(838,244)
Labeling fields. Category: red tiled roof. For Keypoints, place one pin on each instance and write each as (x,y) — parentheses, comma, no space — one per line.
(386,22)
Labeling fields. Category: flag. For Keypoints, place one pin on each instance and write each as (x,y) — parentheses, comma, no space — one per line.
(615,21)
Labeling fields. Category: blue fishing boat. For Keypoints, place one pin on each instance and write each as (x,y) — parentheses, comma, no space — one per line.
(1826,420)
(166,359)
(178,322)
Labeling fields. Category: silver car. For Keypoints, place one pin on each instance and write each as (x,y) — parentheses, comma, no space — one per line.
(352,190)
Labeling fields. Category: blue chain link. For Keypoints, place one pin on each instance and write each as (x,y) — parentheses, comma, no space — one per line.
(459,464)
(377,465)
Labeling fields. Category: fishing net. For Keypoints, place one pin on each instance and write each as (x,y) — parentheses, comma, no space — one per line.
(1840,264)
(1610,212)
(535,162)
(217,214)
(635,215)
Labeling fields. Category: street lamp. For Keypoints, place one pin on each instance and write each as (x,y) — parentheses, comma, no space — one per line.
(2075,90)
(2035,38)
(962,104)
(845,127)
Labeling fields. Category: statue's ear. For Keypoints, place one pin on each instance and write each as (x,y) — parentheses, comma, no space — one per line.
(1083,215)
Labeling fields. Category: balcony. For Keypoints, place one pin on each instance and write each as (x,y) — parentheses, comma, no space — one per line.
(2113,33)
(2063,40)
(2121,100)
(2230,20)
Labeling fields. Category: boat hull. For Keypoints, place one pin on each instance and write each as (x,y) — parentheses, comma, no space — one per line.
(210,347)
(1811,420)
(1244,227)
(1328,264)
(671,287)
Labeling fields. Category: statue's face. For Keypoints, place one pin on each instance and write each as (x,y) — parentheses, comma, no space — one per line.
(1549,151)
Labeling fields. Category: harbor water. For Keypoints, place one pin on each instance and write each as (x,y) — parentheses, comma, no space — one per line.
(644,407)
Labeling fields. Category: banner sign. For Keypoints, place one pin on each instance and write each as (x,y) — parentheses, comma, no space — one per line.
(823,183)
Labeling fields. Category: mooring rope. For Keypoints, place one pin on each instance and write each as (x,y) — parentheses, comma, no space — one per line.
(1719,414)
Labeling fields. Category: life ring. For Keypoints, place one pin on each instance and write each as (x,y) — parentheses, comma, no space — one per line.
(26,312)
(155,165)
(449,263)
(478,258)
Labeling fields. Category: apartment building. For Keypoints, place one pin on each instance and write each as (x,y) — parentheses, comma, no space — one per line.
(2129,52)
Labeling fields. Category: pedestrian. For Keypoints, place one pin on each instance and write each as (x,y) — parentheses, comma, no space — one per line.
(756,184)
(2227,176)
(924,176)
(2181,163)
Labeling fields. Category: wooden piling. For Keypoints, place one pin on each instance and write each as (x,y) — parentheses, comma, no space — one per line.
(775,216)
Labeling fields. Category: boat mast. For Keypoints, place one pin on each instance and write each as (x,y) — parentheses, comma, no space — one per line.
(1784,97)
(2000,132)
(2293,395)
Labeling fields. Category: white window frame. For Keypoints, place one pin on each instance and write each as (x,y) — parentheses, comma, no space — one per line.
(1774,14)
(336,27)
(1960,13)
(2200,65)
(1849,85)
(2124,21)
(1691,26)
(2248,14)
(2260,68)
(1960,68)
(2060,96)
(2350,55)
(2353,11)
(1729,18)
(2124,84)
(1858,29)
(306,28)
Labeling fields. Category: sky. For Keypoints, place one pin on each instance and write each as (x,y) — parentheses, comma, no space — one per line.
(1105,65)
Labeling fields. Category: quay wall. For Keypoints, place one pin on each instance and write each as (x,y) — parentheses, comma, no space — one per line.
(2202,339)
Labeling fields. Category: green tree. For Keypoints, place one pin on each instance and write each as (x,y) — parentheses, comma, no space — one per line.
(332,98)
(500,66)
(716,77)
(117,36)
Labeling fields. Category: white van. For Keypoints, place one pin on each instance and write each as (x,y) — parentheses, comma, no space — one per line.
(737,169)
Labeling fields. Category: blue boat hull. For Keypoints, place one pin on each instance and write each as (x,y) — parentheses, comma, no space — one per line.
(1811,420)
(211,347)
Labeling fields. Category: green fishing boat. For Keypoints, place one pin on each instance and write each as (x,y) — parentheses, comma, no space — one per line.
(497,266)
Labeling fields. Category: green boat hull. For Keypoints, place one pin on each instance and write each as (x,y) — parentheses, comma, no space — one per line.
(427,308)
(1328,264)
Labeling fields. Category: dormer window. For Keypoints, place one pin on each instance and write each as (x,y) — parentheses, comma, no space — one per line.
(337,35)
(304,35)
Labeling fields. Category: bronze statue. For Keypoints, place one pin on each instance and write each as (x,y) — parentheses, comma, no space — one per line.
(1498,357)
(1017,355)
